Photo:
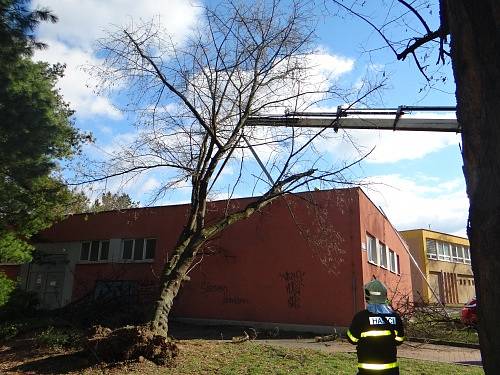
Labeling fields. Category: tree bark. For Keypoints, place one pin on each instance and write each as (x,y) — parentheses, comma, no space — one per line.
(475,47)
(173,275)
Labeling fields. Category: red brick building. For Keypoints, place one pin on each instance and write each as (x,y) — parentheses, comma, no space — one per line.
(302,261)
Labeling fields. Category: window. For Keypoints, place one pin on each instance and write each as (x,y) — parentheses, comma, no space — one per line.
(466,255)
(94,251)
(392,261)
(447,251)
(372,249)
(383,255)
(138,249)
(454,253)
(443,251)
(431,249)
(398,270)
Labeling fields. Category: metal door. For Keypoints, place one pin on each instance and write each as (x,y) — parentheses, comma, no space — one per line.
(46,279)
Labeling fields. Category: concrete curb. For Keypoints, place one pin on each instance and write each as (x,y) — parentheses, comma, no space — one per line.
(443,342)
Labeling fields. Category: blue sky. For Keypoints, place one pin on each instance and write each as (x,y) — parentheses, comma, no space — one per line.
(415,177)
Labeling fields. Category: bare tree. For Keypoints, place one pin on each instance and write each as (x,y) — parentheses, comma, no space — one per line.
(474,31)
(192,101)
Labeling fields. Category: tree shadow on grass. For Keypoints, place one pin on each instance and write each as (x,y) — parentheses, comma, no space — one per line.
(56,364)
(186,331)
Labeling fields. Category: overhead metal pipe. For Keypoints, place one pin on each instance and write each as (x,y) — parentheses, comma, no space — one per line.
(370,118)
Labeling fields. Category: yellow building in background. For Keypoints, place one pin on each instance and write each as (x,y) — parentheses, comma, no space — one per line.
(445,261)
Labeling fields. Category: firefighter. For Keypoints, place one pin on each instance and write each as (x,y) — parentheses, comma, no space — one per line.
(376,332)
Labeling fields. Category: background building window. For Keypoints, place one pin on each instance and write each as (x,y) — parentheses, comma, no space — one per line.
(460,254)
(94,251)
(431,249)
(443,250)
(447,251)
(454,253)
(383,255)
(138,249)
(467,255)
(392,261)
(372,249)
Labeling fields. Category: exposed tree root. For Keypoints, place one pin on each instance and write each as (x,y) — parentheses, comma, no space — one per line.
(134,343)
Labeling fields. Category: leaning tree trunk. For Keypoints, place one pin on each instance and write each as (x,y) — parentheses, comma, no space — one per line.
(173,276)
(475,46)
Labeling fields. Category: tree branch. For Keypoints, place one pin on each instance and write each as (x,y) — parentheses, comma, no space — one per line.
(122,173)
(173,89)
(417,14)
(418,42)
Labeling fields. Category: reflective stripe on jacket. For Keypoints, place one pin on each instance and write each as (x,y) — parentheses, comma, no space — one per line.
(378,366)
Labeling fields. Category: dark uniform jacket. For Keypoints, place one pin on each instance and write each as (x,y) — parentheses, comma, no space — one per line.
(376,337)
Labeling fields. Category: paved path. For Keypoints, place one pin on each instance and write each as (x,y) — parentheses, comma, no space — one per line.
(428,352)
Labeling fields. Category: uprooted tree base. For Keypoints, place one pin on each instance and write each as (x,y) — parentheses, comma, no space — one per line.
(131,343)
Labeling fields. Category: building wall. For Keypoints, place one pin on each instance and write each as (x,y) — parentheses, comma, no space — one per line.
(452,282)
(456,281)
(416,244)
(296,262)
(373,222)
(10,270)
(277,267)
(162,223)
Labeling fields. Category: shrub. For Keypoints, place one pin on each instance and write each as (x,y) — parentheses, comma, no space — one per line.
(8,331)
(6,287)
(57,338)
(21,304)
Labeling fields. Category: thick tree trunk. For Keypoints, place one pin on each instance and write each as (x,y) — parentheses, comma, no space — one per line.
(173,276)
(475,46)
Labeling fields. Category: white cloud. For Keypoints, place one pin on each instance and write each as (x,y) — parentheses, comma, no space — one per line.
(81,22)
(75,83)
(120,142)
(389,146)
(148,185)
(329,65)
(420,202)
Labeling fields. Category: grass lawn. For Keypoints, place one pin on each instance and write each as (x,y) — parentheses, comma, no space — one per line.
(208,357)
(49,350)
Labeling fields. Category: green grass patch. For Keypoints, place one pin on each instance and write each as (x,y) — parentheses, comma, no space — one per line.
(249,358)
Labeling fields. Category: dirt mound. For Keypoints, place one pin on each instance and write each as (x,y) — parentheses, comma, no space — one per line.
(131,343)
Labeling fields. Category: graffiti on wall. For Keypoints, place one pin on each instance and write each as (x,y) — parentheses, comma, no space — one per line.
(227,298)
(294,281)
(207,287)
(234,300)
